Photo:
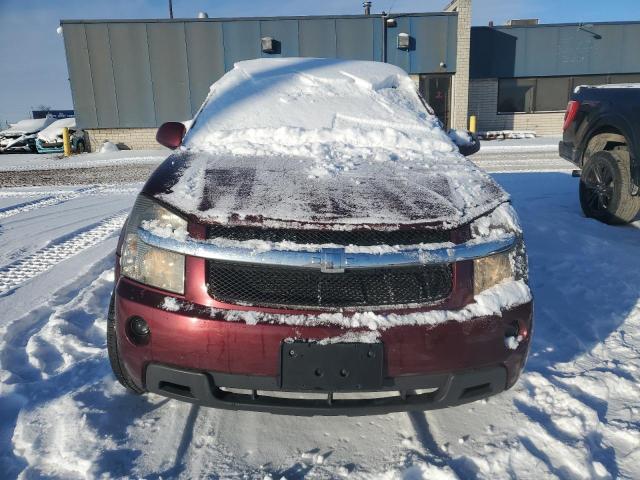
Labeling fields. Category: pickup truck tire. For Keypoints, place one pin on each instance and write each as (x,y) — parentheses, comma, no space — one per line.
(112,348)
(605,192)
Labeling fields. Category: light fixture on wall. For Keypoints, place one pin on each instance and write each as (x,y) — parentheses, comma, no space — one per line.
(404,41)
(586,27)
(268,44)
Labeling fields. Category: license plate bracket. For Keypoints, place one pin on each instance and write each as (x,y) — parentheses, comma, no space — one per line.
(333,367)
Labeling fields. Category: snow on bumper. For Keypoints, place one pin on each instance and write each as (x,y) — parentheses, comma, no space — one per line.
(203,339)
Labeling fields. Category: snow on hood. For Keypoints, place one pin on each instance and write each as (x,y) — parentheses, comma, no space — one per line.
(27,126)
(267,189)
(53,132)
(323,141)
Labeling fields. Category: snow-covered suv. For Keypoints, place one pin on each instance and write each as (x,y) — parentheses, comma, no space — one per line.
(318,245)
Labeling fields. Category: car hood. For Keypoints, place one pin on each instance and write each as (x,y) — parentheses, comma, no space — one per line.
(284,190)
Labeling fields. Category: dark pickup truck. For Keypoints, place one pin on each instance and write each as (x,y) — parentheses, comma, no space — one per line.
(602,137)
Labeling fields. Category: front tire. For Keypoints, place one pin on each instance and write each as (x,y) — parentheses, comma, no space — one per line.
(605,188)
(112,348)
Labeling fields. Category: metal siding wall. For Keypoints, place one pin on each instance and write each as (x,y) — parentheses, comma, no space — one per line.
(452,43)
(139,74)
(430,35)
(205,54)
(104,89)
(75,44)
(169,71)
(354,38)
(377,39)
(401,58)
(317,38)
(283,31)
(555,50)
(241,42)
(130,54)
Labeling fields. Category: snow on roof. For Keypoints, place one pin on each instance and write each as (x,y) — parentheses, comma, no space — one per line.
(53,131)
(608,85)
(29,125)
(617,85)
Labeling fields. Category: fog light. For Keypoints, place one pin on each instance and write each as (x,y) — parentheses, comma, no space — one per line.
(139,330)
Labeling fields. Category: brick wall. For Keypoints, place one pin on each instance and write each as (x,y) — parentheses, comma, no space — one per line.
(460,81)
(483,103)
(125,138)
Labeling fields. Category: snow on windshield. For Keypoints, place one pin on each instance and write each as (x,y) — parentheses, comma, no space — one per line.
(301,103)
(328,141)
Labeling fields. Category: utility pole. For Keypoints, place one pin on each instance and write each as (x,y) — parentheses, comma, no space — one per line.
(170,8)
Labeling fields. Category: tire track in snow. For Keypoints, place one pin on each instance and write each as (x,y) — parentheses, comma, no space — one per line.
(44,202)
(44,259)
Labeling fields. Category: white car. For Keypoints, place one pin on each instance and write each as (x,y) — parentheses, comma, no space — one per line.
(49,140)
(21,136)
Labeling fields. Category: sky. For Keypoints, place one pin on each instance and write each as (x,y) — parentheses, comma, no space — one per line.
(33,68)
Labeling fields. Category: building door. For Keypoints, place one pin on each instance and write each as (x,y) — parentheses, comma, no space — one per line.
(436,90)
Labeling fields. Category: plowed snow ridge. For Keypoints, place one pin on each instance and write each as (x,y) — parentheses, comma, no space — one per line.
(43,202)
(42,260)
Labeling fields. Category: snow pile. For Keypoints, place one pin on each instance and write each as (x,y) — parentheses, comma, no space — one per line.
(109,147)
(53,133)
(506,134)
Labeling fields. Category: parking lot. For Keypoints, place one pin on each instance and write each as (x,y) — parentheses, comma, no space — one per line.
(574,414)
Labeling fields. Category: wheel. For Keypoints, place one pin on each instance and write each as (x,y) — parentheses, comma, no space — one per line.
(80,147)
(112,348)
(605,188)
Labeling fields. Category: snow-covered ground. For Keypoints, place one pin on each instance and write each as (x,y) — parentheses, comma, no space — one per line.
(575,413)
(56,161)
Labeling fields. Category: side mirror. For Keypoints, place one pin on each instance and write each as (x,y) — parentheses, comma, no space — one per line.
(467,142)
(170,134)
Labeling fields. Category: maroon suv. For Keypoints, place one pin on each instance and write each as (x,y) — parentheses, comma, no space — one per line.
(316,244)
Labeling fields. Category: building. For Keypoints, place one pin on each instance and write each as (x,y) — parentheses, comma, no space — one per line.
(522,76)
(129,76)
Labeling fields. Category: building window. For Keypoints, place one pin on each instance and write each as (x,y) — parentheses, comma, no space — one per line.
(552,94)
(548,94)
(516,94)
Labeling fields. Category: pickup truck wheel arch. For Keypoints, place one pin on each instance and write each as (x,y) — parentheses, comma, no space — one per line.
(603,140)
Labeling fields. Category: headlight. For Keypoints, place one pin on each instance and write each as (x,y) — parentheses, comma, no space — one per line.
(490,271)
(511,265)
(144,263)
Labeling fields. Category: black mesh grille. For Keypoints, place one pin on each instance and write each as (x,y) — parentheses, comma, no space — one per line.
(338,237)
(261,285)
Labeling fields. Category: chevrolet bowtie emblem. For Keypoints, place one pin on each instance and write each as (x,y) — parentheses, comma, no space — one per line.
(332,260)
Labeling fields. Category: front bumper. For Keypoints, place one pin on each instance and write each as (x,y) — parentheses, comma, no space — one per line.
(192,355)
(213,390)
